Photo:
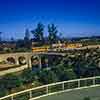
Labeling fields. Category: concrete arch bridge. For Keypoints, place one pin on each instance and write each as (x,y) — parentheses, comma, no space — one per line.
(18,61)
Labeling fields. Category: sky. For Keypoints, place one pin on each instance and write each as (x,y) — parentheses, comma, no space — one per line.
(72,17)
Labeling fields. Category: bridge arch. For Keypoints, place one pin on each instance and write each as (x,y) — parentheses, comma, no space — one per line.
(11,60)
(35,61)
(22,60)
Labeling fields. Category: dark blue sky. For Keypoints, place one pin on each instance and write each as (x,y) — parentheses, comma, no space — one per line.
(73,17)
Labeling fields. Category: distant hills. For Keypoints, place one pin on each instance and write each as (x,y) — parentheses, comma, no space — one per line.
(86,38)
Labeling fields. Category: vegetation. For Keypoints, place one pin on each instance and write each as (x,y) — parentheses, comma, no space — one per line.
(76,64)
(87,98)
(39,33)
(27,42)
(52,30)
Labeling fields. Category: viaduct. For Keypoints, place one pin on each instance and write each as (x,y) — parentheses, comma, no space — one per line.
(27,58)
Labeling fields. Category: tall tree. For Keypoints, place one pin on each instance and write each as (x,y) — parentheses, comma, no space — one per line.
(27,42)
(0,36)
(27,35)
(39,32)
(52,29)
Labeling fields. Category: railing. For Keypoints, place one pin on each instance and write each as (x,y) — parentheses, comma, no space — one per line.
(35,93)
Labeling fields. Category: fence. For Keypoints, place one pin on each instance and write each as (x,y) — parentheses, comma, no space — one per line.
(35,93)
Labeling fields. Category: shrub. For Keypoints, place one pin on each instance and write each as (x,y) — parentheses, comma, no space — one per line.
(87,98)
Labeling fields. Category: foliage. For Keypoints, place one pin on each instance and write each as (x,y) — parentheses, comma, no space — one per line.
(27,35)
(22,50)
(27,76)
(70,74)
(38,33)
(0,36)
(87,98)
(52,29)
(20,44)
(10,81)
(4,92)
(47,77)
(83,63)
(27,42)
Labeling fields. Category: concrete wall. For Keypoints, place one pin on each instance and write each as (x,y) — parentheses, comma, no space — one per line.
(12,70)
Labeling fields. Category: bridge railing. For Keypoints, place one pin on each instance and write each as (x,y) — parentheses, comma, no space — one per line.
(41,91)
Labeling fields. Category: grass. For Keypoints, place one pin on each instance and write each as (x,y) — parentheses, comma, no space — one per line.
(93,93)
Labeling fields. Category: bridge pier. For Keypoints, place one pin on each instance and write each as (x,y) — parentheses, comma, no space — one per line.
(29,63)
(40,64)
(17,62)
(16,59)
(46,61)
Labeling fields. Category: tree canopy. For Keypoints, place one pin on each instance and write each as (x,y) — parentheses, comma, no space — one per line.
(38,32)
(52,30)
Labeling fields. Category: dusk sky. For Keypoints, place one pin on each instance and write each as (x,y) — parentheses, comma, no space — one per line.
(73,17)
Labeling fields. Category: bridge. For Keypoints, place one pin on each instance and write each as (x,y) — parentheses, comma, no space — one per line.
(26,56)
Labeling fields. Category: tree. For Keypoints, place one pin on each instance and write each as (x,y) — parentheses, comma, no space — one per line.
(52,29)
(87,98)
(10,81)
(0,36)
(20,44)
(27,76)
(27,35)
(12,39)
(27,42)
(38,33)
(47,76)
(70,74)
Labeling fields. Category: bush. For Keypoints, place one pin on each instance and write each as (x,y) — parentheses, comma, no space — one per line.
(87,98)
(47,77)
(3,93)
(10,81)
(27,76)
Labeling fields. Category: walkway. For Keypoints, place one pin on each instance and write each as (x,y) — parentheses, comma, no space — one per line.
(93,93)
